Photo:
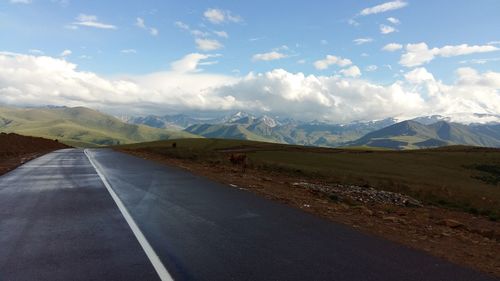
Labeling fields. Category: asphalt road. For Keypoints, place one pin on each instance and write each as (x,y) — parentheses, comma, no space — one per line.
(59,222)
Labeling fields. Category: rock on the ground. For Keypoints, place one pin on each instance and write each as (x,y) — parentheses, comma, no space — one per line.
(367,195)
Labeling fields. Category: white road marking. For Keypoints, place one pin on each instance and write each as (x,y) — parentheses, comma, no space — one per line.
(153,257)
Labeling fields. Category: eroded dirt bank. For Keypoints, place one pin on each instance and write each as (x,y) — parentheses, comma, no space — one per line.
(16,149)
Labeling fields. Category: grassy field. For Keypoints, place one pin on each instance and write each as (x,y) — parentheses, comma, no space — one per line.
(465,178)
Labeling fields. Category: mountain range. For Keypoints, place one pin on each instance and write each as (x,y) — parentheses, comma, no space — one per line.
(82,126)
(421,132)
(242,125)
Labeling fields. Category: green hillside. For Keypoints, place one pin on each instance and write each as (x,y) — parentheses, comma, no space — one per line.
(79,126)
(414,135)
(230,131)
(326,135)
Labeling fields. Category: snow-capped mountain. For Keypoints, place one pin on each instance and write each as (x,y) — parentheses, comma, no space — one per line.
(237,116)
(269,121)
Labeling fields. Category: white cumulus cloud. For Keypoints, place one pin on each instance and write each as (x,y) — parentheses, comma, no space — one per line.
(20,1)
(386,29)
(182,25)
(361,41)
(419,75)
(66,53)
(393,20)
(90,21)
(222,34)
(203,39)
(139,22)
(480,61)
(129,51)
(353,22)
(35,52)
(208,44)
(153,31)
(195,32)
(385,7)
(41,80)
(418,54)
(268,56)
(352,71)
(190,63)
(392,47)
(331,60)
(217,16)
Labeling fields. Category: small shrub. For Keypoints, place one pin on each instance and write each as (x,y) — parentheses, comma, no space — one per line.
(490,174)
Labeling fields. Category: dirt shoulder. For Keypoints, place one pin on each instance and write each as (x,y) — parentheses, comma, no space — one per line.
(462,238)
(16,150)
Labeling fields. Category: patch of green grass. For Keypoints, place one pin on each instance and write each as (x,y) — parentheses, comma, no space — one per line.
(490,173)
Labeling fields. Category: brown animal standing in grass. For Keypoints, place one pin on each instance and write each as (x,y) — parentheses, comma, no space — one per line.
(239,159)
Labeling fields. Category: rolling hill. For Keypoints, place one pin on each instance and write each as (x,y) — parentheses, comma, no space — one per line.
(222,131)
(413,135)
(79,126)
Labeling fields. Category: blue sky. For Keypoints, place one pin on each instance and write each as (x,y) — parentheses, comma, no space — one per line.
(132,39)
